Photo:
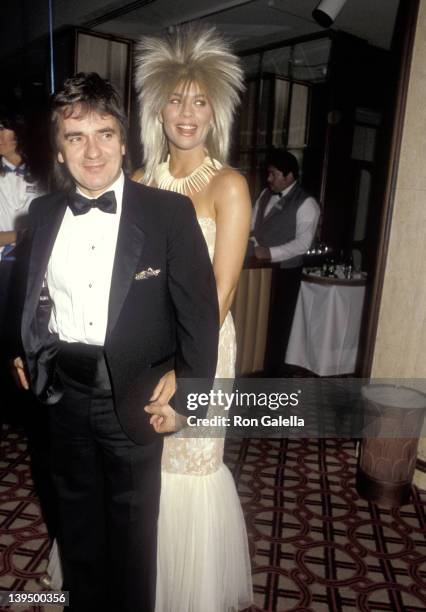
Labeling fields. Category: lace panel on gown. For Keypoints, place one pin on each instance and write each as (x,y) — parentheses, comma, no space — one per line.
(204,455)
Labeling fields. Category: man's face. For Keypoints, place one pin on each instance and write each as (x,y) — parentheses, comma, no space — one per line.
(7,143)
(277,181)
(91,147)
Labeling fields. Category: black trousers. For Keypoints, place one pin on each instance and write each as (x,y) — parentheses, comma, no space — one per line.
(286,284)
(108,491)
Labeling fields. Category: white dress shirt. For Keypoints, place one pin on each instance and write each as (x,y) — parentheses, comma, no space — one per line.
(80,270)
(16,196)
(307,218)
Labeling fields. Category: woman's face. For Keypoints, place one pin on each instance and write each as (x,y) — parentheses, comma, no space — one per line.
(7,142)
(187,117)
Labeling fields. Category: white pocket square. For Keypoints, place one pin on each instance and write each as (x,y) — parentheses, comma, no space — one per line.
(143,274)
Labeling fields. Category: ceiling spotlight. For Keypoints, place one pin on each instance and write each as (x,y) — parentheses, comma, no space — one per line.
(327,11)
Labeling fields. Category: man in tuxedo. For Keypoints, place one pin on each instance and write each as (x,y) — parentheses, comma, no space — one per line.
(284,223)
(119,290)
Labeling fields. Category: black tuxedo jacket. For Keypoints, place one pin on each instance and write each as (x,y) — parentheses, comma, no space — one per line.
(155,322)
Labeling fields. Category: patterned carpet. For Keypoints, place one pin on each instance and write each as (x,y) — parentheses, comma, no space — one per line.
(24,544)
(316,546)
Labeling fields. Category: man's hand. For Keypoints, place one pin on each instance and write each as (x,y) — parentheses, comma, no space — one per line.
(262,253)
(19,373)
(164,418)
(165,389)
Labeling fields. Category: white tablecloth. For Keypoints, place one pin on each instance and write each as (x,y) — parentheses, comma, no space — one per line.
(325,332)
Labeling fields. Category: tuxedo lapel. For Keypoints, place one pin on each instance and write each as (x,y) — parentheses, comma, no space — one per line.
(42,244)
(130,243)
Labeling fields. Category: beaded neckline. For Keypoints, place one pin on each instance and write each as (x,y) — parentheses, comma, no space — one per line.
(187,185)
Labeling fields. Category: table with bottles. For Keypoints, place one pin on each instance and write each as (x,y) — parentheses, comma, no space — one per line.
(326,327)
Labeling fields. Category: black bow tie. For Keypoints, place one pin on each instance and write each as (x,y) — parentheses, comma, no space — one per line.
(81,205)
(18,170)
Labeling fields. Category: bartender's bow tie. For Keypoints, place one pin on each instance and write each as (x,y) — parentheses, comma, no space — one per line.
(81,205)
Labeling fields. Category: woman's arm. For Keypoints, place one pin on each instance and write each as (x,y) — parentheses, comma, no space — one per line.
(233,216)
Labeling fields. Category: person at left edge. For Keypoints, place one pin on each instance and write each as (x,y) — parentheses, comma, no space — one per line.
(20,183)
(17,189)
(17,183)
(119,290)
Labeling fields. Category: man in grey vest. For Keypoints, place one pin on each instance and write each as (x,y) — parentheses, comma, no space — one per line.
(285,218)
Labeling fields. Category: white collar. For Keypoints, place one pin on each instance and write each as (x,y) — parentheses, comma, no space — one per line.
(9,164)
(288,189)
(282,193)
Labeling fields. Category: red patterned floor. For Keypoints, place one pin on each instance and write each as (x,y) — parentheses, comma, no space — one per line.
(316,546)
(24,544)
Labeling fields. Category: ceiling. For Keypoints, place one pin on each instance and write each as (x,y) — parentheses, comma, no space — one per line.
(249,23)
(255,23)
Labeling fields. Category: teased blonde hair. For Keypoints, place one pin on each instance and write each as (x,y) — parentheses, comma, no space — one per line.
(191,54)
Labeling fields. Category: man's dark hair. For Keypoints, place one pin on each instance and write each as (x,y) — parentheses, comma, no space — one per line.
(86,92)
(284,161)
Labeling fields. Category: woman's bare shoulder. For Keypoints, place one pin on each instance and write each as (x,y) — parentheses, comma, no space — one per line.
(230,192)
(229,178)
(226,173)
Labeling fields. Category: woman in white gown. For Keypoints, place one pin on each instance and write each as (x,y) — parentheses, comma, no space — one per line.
(188,86)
